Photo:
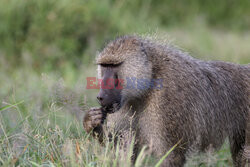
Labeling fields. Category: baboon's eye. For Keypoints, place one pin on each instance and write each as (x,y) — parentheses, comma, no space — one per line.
(111,65)
(116,80)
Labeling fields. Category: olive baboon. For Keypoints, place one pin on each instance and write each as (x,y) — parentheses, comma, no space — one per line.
(196,103)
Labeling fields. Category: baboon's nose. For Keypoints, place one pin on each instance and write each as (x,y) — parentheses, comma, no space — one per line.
(100,99)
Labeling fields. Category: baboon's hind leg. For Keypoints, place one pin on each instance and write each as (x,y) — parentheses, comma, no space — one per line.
(237,146)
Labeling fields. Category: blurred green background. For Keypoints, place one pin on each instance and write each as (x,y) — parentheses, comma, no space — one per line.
(48,48)
(50,34)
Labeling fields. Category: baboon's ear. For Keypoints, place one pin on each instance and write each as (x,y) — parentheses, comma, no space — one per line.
(143,49)
(148,51)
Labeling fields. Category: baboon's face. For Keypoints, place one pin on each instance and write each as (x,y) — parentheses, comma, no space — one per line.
(109,95)
(121,63)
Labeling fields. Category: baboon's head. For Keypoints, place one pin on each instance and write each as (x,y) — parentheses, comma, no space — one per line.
(120,65)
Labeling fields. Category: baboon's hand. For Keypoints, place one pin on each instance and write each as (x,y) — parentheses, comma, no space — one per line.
(92,119)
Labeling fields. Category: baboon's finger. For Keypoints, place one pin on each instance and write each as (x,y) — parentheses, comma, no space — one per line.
(94,117)
(95,108)
(97,112)
(96,122)
(88,124)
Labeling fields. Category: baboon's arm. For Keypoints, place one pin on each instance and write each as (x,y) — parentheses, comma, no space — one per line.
(98,133)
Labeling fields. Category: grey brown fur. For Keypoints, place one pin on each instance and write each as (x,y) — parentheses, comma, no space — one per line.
(246,153)
(200,104)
